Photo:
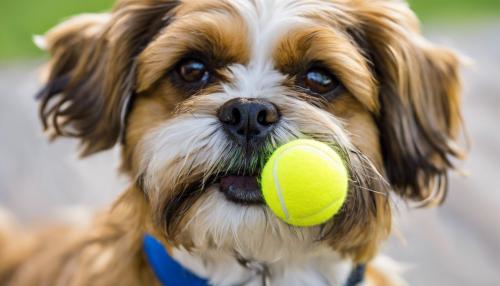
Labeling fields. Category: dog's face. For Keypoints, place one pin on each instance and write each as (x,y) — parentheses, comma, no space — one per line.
(201,92)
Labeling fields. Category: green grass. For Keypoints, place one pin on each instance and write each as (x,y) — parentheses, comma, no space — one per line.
(21,19)
(456,10)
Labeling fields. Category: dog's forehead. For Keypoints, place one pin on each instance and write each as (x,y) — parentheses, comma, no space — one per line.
(266,21)
(258,40)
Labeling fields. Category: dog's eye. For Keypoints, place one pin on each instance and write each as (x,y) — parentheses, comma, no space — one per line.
(193,72)
(320,81)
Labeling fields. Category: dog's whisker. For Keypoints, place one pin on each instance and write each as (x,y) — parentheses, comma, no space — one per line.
(370,190)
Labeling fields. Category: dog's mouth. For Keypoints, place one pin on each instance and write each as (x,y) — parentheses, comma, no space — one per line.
(239,182)
(243,190)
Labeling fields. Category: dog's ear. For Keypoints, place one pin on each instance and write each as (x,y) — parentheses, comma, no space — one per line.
(420,118)
(92,71)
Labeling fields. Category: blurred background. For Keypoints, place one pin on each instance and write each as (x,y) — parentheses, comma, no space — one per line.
(457,244)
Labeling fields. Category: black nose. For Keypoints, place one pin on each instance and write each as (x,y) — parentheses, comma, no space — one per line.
(248,120)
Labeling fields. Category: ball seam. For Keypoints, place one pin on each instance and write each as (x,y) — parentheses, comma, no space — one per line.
(278,187)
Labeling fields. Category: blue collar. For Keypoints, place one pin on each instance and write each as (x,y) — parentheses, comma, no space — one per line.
(171,273)
(167,270)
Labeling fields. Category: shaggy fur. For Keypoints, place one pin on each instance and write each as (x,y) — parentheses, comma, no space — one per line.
(114,79)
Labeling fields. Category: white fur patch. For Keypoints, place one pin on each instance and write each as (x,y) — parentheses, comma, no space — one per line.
(267,22)
(292,255)
(40,42)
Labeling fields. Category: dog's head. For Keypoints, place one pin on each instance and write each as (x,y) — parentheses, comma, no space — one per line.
(199,93)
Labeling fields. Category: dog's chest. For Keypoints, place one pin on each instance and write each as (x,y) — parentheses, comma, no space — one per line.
(319,267)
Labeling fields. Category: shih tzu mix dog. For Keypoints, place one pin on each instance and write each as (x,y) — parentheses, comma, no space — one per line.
(198,94)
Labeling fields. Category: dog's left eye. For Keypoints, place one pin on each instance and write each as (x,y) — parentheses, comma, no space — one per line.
(193,72)
(320,81)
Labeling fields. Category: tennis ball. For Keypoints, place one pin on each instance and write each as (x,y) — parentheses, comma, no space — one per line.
(304,182)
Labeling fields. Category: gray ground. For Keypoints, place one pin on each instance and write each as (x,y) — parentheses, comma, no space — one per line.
(457,244)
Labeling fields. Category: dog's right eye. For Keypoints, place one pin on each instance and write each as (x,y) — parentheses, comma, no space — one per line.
(193,72)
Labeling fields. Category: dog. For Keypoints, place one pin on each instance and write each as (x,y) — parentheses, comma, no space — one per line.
(198,94)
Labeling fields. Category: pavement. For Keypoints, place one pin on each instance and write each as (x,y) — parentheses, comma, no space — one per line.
(456,244)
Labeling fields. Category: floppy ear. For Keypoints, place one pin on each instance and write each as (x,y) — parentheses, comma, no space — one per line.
(419,94)
(92,71)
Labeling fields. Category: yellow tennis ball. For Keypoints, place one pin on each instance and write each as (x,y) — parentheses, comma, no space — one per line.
(305,182)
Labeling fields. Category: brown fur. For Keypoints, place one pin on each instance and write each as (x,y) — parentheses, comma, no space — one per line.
(93,74)
(400,108)
(419,90)
(102,253)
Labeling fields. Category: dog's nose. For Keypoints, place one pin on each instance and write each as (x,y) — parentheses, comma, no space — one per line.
(248,120)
